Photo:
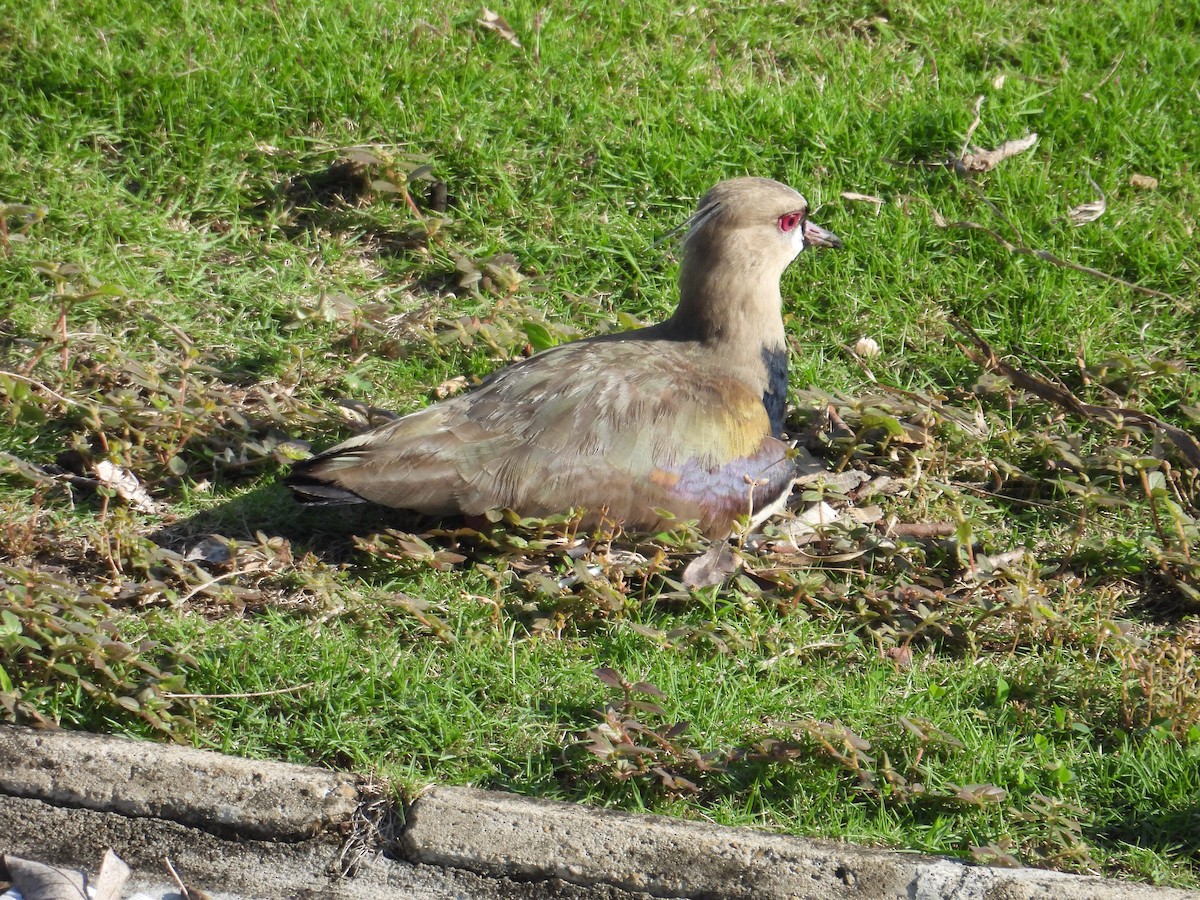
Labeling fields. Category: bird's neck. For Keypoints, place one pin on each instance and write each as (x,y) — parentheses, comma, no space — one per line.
(733,308)
(731,305)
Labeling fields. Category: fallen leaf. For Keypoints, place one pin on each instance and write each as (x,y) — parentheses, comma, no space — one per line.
(863,515)
(820,513)
(863,198)
(802,529)
(1088,212)
(1143,182)
(884,486)
(495,22)
(125,484)
(214,550)
(450,387)
(625,559)
(711,567)
(111,878)
(38,881)
(986,160)
(841,482)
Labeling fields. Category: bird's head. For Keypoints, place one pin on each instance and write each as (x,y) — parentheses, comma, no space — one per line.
(753,222)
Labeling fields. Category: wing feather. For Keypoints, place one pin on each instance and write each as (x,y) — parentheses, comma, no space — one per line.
(616,425)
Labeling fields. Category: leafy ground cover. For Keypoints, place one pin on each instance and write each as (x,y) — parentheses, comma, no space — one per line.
(228,231)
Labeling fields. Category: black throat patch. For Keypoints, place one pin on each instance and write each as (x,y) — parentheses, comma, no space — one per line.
(774,398)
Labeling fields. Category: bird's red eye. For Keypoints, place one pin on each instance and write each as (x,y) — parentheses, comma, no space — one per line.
(788,221)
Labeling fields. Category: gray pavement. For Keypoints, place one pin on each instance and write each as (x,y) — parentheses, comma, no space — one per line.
(252,829)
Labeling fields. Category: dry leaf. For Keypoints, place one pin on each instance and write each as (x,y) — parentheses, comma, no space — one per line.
(1088,212)
(625,559)
(802,529)
(1143,182)
(125,484)
(111,878)
(820,513)
(863,198)
(863,515)
(38,881)
(986,160)
(711,567)
(214,550)
(494,22)
(842,482)
(450,387)
(886,486)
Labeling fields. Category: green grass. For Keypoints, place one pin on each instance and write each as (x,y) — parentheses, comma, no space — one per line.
(217,294)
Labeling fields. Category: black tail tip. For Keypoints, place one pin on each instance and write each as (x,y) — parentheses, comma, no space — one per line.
(313,490)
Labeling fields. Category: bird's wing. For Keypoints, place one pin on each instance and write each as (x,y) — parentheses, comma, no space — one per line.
(623,426)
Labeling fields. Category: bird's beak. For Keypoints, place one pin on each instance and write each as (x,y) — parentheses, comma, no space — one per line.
(816,236)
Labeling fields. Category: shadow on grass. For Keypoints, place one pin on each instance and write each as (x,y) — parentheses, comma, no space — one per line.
(326,531)
(333,199)
(1175,833)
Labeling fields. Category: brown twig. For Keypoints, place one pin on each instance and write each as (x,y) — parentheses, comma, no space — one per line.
(184,891)
(974,124)
(988,358)
(1091,95)
(1049,257)
(200,588)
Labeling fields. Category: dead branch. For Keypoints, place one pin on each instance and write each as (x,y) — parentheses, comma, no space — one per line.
(1061,396)
(1049,257)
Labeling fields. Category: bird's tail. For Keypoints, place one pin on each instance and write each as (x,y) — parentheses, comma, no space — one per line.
(311,483)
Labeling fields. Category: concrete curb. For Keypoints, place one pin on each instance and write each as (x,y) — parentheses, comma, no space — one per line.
(504,834)
(244,828)
(262,798)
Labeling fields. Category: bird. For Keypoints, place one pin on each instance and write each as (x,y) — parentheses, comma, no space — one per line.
(682,420)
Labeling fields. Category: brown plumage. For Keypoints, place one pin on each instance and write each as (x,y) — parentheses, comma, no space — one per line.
(684,416)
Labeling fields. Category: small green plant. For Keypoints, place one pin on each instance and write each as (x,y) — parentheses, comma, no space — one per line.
(659,752)
(61,649)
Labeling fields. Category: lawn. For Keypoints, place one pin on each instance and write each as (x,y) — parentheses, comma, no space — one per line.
(236,232)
